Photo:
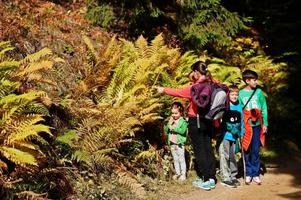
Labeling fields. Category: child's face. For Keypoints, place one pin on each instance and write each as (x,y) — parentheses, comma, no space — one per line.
(175,113)
(233,96)
(252,82)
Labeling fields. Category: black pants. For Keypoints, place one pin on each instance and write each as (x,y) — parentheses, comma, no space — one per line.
(202,147)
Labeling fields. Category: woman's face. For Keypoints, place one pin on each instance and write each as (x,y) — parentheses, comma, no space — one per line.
(199,77)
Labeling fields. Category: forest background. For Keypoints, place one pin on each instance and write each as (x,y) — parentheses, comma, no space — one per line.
(79,118)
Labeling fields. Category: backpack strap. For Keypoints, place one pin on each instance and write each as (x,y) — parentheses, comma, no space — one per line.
(249,99)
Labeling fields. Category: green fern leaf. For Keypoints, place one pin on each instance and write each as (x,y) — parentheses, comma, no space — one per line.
(19,157)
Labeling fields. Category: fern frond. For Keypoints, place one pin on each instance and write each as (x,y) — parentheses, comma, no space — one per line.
(27,145)
(100,157)
(36,56)
(150,117)
(28,128)
(16,99)
(226,74)
(103,160)
(150,108)
(142,47)
(112,51)
(31,195)
(157,43)
(146,155)
(92,55)
(130,94)
(39,78)
(7,87)
(8,65)
(37,108)
(19,157)
(69,137)
(35,66)
(7,115)
(125,180)
(82,156)
(5,46)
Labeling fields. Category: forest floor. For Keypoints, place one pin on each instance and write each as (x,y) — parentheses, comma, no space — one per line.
(282,180)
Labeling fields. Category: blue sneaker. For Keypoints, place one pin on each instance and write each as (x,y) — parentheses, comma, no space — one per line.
(212,183)
(205,185)
(197,181)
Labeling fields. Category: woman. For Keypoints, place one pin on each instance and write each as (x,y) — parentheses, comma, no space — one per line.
(199,132)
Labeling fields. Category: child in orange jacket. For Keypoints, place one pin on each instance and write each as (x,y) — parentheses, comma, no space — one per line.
(255,124)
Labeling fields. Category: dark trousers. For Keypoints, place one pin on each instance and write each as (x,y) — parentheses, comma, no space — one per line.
(252,155)
(202,147)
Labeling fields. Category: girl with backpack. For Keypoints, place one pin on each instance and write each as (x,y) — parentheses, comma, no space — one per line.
(199,129)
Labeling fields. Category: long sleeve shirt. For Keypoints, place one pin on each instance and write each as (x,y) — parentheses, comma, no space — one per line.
(257,101)
(184,93)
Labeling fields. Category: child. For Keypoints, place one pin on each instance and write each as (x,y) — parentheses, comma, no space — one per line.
(232,130)
(176,130)
(255,124)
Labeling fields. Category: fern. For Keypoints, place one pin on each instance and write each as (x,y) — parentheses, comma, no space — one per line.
(21,115)
(68,137)
(17,156)
(131,183)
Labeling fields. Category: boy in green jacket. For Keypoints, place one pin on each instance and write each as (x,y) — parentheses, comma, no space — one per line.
(176,130)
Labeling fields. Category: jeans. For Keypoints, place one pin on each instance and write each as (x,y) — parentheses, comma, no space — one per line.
(228,165)
(252,154)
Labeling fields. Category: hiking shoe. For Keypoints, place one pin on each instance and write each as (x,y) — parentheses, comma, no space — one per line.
(229,184)
(257,180)
(182,177)
(248,180)
(236,182)
(212,183)
(205,185)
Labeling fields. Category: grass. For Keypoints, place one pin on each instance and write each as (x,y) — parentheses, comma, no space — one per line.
(171,189)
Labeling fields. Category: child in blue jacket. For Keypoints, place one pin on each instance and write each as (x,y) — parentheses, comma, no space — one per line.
(232,130)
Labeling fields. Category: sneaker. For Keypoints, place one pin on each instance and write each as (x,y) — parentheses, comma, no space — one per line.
(196,182)
(205,185)
(182,177)
(229,184)
(236,182)
(257,180)
(212,183)
(248,180)
(175,177)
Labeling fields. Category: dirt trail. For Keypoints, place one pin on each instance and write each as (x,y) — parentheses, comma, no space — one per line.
(283,182)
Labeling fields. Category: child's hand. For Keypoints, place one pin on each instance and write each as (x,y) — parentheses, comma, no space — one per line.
(169,124)
(265,129)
